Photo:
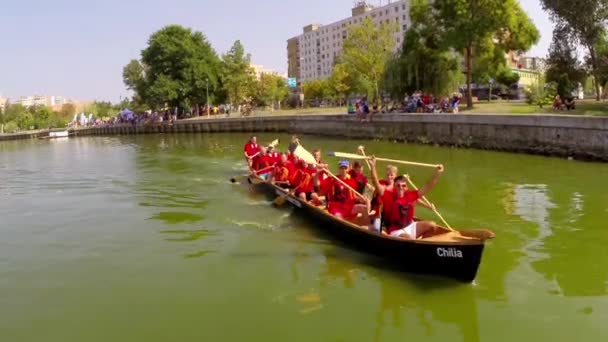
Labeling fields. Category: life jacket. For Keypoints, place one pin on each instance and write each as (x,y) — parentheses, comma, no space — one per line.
(302,180)
(281,173)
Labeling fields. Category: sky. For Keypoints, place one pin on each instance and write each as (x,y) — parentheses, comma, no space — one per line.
(77,48)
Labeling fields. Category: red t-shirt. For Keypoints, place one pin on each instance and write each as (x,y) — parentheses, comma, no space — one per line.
(360,180)
(251,149)
(340,199)
(276,157)
(399,212)
(263,162)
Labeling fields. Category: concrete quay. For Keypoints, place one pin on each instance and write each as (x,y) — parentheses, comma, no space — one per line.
(579,137)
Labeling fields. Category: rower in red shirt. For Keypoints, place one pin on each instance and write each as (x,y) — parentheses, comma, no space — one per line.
(263,164)
(398,206)
(322,175)
(252,150)
(342,201)
(283,172)
(274,155)
(356,173)
(303,181)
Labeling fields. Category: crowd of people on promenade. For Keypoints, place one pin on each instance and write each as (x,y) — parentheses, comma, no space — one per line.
(385,206)
(129,117)
(418,102)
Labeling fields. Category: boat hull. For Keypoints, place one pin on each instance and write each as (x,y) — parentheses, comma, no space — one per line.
(458,261)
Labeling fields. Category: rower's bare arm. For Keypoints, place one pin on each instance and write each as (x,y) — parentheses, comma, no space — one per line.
(430,185)
(375,180)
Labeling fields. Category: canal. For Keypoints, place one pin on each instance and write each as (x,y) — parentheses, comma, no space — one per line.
(144,238)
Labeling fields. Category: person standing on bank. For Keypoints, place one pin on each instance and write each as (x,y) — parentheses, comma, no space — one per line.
(398,205)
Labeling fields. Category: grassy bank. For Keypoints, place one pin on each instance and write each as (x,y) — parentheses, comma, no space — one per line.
(584,107)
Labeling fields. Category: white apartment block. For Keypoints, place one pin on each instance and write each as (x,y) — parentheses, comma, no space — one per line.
(316,49)
(260,70)
(3,101)
(41,100)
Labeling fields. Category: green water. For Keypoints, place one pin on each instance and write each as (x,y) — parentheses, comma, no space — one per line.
(143,238)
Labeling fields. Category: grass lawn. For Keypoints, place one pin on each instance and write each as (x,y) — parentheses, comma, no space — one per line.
(299,111)
(583,107)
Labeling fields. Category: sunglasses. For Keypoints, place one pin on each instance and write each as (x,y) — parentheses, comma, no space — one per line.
(403,186)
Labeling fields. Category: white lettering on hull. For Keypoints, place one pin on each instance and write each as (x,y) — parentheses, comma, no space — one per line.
(449,253)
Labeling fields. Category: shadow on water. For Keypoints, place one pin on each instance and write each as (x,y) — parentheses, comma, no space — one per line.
(177,217)
(187,235)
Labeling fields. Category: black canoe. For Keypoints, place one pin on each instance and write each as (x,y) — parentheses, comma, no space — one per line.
(455,254)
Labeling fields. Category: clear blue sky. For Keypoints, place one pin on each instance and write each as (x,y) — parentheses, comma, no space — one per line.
(77,48)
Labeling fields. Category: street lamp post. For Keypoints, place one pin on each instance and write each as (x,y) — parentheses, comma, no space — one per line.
(208,111)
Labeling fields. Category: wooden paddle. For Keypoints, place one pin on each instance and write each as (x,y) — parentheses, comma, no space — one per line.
(279,201)
(427,202)
(360,157)
(301,153)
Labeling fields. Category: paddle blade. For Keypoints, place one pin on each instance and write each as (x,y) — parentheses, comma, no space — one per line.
(279,201)
(347,155)
(481,234)
(275,143)
(301,153)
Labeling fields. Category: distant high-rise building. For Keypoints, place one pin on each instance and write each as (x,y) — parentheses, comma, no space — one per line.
(260,70)
(312,54)
(42,100)
(3,101)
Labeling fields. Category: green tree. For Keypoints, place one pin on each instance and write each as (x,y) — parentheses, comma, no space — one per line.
(507,77)
(3,120)
(14,111)
(469,26)
(68,110)
(424,62)
(316,91)
(270,90)
(341,82)
(175,69)
(237,75)
(586,21)
(41,116)
(367,49)
(563,65)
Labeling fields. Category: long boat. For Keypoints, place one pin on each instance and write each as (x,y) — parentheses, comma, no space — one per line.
(455,254)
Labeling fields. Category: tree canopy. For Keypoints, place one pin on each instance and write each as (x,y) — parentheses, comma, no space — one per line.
(586,22)
(473,26)
(175,69)
(563,65)
(237,75)
(367,49)
(424,62)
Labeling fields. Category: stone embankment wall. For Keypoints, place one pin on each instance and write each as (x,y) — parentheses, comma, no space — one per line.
(25,135)
(580,137)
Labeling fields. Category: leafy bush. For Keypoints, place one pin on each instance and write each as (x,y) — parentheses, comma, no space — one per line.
(541,95)
(11,127)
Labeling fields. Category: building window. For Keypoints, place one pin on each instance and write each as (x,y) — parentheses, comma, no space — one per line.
(404,17)
(404,27)
(396,9)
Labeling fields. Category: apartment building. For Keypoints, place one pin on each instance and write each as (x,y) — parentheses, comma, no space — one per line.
(260,70)
(3,101)
(312,54)
(41,100)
